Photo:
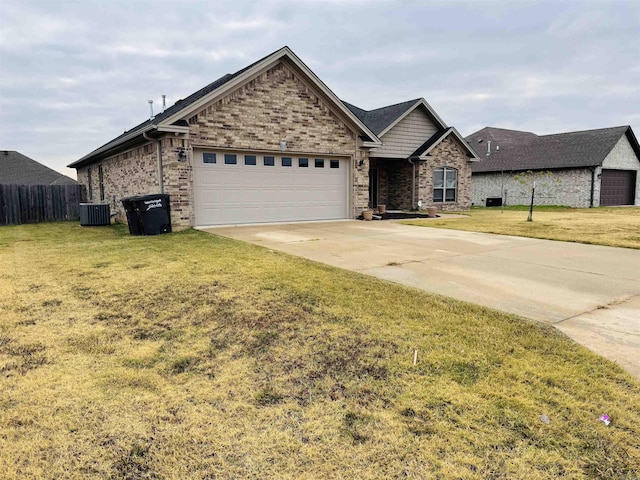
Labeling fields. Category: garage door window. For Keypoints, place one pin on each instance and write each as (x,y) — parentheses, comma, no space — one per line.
(230,159)
(249,159)
(335,164)
(303,162)
(286,161)
(319,163)
(209,158)
(269,161)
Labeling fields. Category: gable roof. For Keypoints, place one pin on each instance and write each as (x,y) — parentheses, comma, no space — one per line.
(383,119)
(18,169)
(528,151)
(422,152)
(173,118)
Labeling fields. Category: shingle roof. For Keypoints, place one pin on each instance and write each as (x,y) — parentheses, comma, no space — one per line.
(434,138)
(380,118)
(131,135)
(18,169)
(176,107)
(528,151)
(179,105)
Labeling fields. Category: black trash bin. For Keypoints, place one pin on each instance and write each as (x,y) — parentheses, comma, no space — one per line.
(148,214)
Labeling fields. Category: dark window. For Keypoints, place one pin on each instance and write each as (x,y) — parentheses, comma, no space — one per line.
(335,163)
(319,163)
(230,159)
(90,185)
(286,161)
(445,184)
(101,182)
(249,159)
(269,161)
(209,158)
(303,162)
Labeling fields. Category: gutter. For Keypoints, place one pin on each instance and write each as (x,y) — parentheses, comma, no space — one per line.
(593,186)
(413,184)
(159,156)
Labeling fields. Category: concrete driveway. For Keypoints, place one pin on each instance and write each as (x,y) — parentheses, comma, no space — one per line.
(591,293)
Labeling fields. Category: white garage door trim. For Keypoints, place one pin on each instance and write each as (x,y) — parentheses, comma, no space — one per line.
(268,191)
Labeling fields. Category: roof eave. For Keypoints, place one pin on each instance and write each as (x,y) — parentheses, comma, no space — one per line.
(103,151)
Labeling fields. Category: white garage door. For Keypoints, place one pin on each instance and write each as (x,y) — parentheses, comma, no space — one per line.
(234,188)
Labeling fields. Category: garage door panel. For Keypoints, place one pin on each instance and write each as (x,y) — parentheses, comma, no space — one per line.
(617,187)
(232,194)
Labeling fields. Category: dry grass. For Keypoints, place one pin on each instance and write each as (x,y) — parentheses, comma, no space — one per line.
(615,227)
(190,356)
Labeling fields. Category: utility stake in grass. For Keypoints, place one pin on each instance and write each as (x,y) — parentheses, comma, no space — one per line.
(415,357)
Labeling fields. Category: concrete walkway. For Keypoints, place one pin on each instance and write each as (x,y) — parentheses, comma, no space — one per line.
(591,293)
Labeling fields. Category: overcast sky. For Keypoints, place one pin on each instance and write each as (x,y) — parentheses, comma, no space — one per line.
(75,74)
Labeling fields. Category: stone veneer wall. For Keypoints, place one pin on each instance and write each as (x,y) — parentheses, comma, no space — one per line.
(279,106)
(564,187)
(132,172)
(448,153)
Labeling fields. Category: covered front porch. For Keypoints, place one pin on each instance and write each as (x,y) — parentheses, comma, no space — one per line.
(391,183)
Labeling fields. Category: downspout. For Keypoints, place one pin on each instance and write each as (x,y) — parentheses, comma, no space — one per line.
(413,184)
(159,156)
(593,182)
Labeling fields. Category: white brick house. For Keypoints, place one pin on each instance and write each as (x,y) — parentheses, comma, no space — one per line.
(586,169)
(273,143)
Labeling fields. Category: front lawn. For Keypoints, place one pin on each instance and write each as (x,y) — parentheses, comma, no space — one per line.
(192,356)
(615,227)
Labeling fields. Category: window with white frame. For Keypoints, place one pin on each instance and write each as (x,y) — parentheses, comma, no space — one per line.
(445,184)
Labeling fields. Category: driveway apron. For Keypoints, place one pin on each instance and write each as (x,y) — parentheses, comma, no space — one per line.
(592,293)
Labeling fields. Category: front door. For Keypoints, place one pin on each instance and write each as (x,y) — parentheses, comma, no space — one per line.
(373,187)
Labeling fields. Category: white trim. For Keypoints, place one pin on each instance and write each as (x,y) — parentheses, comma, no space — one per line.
(422,102)
(173,129)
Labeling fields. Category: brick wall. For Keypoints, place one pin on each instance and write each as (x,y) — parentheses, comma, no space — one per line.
(400,173)
(448,153)
(563,187)
(132,172)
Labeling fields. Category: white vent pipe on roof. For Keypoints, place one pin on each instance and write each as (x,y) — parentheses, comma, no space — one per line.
(151,116)
(164,102)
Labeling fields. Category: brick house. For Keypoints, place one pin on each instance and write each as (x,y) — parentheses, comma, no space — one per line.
(272,143)
(588,168)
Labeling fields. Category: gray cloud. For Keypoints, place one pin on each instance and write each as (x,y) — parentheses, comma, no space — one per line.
(76,74)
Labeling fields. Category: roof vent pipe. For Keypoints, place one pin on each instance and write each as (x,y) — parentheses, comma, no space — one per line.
(151,116)
(489,148)
(164,102)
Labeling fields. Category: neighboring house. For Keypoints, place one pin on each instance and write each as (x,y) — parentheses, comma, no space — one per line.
(18,169)
(272,143)
(587,168)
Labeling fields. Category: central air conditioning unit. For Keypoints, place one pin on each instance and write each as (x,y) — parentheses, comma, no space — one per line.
(92,214)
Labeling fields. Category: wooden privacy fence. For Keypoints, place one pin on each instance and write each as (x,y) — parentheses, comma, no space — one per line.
(39,203)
